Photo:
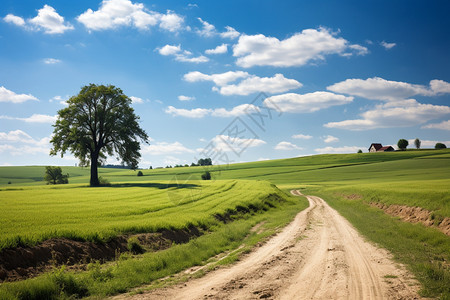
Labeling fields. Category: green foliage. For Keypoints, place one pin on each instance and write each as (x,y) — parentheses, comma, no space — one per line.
(360,151)
(440,146)
(417,143)
(402,144)
(206,176)
(54,175)
(204,162)
(99,121)
(140,173)
(135,246)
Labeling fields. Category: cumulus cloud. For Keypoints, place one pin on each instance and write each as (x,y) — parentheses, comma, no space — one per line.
(218,50)
(387,45)
(47,20)
(302,136)
(444,125)
(185,98)
(51,61)
(35,118)
(250,83)
(239,110)
(117,13)
(166,148)
(18,142)
(207,30)
(387,116)
(305,103)
(9,96)
(181,55)
(330,139)
(136,100)
(60,100)
(377,88)
(188,113)
(344,149)
(428,143)
(231,33)
(228,143)
(308,46)
(287,146)
(16,20)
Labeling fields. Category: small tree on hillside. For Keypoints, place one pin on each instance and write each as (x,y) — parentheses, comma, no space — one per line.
(440,146)
(360,151)
(402,144)
(417,143)
(54,175)
(206,175)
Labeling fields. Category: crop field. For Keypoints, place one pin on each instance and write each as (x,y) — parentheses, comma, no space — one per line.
(175,198)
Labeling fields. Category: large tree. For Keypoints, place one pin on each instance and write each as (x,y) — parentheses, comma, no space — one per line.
(99,121)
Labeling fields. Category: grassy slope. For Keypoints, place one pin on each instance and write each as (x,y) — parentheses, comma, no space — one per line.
(414,178)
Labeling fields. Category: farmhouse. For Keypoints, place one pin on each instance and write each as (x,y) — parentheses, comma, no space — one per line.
(374,147)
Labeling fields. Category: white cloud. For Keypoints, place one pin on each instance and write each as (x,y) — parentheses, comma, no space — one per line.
(51,61)
(428,143)
(287,146)
(444,125)
(306,103)
(251,83)
(330,139)
(18,21)
(181,55)
(136,100)
(239,110)
(344,149)
(254,84)
(50,21)
(185,98)
(218,50)
(116,13)
(386,116)
(302,136)
(165,148)
(10,96)
(221,79)
(387,45)
(208,30)
(60,100)
(381,89)
(195,113)
(231,33)
(19,142)
(35,118)
(228,143)
(308,46)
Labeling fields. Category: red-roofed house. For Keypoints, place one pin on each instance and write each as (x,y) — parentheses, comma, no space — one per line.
(379,148)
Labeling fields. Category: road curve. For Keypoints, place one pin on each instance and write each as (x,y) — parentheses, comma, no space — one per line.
(319,255)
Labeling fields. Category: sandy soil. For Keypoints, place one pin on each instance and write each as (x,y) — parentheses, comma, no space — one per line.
(317,256)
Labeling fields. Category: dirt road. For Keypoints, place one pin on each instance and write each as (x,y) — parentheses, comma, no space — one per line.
(317,256)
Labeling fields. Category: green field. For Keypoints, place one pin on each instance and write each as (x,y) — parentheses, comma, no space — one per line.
(31,211)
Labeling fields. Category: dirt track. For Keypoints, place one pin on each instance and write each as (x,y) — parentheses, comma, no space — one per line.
(317,256)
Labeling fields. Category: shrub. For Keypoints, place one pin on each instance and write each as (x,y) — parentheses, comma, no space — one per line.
(54,175)
(206,175)
(360,151)
(440,146)
(103,181)
(9,182)
(134,246)
(140,173)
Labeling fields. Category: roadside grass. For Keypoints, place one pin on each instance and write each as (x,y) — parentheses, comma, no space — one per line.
(126,273)
(426,251)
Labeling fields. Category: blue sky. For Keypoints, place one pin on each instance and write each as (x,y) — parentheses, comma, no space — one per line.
(232,80)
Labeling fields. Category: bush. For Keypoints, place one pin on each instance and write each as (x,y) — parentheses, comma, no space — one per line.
(206,175)
(134,246)
(440,146)
(140,173)
(360,151)
(54,175)
(103,181)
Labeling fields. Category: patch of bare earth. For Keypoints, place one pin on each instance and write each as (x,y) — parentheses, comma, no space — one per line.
(25,262)
(415,215)
(319,255)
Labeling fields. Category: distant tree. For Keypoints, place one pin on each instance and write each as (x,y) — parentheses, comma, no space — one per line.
(440,146)
(151,168)
(417,143)
(140,173)
(206,175)
(54,175)
(97,122)
(204,162)
(194,165)
(402,144)
(360,151)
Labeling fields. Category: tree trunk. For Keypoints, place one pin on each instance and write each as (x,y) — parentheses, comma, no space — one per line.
(94,170)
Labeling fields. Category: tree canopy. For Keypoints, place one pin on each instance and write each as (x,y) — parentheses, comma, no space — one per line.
(98,122)
(440,146)
(417,143)
(402,144)
(54,175)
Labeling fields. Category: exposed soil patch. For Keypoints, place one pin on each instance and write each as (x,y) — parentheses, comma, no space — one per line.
(415,215)
(25,262)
